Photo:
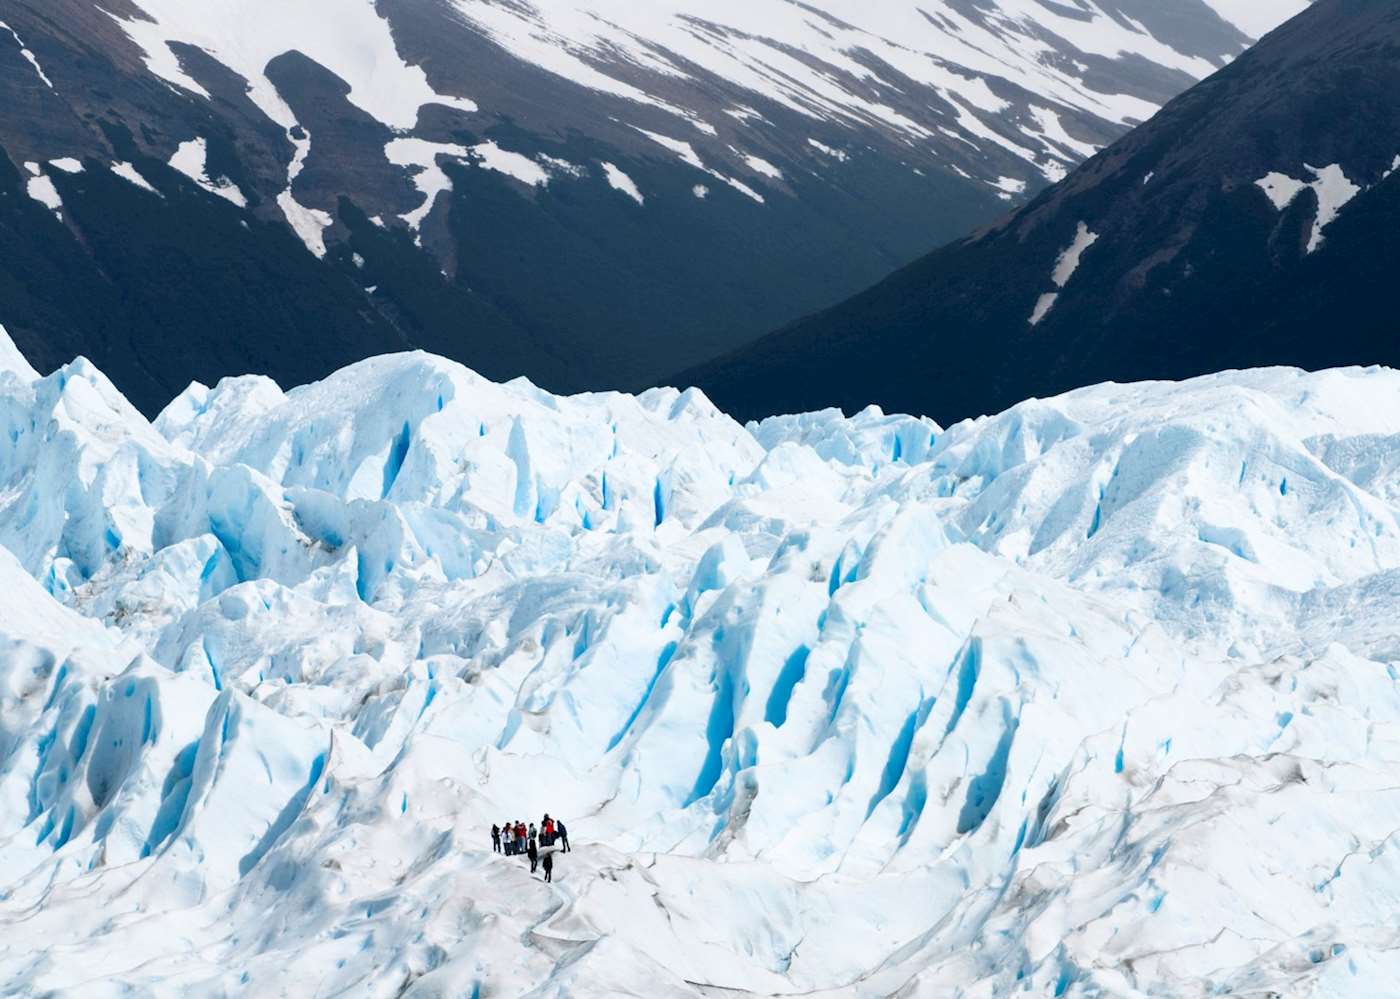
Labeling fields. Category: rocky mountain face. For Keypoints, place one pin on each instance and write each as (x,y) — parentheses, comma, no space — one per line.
(1253,221)
(587,193)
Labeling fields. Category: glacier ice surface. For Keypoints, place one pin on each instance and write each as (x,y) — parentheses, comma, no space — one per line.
(1097,696)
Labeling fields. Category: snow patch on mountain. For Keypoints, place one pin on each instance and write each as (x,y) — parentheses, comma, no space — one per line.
(1065,266)
(310,224)
(429,178)
(1329,183)
(821,147)
(739,186)
(490,156)
(619,181)
(352,41)
(1043,305)
(1334,191)
(1009,187)
(190,158)
(681,148)
(1280,188)
(129,173)
(1068,261)
(761,166)
(1053,130)
(687,155)
(39,186)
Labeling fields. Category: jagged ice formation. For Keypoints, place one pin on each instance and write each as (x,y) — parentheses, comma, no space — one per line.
(1093,697)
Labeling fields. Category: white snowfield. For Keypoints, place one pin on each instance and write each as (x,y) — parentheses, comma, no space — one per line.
(1094,697)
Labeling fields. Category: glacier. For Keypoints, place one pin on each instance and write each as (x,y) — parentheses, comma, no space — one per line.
(1094,697)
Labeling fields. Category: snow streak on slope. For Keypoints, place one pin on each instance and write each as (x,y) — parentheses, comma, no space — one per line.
(1065,266)
(979,74)
(1093,697)
(847,64)
(759,47)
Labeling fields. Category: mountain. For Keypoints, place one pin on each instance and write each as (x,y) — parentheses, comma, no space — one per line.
(593,194)
(1253,221)
(1095,697)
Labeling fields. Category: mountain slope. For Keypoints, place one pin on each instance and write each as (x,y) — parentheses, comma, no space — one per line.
(1250,222)
(1095,697)
(591,194)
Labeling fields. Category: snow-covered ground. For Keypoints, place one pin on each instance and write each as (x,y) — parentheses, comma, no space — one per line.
(1094,697)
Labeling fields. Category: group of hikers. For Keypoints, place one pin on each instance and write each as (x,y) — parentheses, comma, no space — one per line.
(515,838)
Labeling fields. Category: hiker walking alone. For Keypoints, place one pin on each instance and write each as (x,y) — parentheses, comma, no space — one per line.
(549,866)
(563,835)
(495,838)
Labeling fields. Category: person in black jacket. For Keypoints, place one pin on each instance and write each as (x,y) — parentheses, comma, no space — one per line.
(561,833)
(549,866)
(495,839)
(534,856)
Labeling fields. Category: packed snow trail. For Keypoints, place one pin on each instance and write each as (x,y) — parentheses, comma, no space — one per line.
(1094,697)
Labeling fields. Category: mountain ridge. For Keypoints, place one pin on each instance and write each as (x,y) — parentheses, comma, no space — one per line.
(1222,214)
(1212,233)
(591,199)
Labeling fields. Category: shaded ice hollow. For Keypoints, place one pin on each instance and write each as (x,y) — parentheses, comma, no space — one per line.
(1097,696)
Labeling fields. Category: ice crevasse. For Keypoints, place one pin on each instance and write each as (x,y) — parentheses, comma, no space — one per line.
(1095,697)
